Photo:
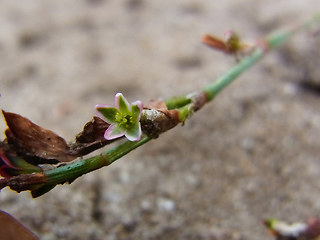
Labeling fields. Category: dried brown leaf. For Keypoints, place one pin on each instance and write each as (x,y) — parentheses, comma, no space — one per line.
(216,43)
(12,229)
(33,140)
(93,131)
(161,106)
(92,137)
(155,124)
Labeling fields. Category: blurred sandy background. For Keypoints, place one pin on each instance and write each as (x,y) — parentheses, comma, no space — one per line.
(252,153)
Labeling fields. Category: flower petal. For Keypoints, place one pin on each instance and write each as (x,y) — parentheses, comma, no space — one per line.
(134,133)
(136,110)
(121,103)
(113,132)
(107,112)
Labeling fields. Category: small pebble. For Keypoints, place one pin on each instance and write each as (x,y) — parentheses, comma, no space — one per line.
(166,205)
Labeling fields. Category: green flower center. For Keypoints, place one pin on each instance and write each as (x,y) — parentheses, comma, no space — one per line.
(124,120)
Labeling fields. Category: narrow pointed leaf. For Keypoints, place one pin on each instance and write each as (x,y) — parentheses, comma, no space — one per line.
(39,191)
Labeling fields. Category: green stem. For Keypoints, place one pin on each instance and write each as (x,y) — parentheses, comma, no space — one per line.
(216,87)
(71,171)
(272,41)
(177,102)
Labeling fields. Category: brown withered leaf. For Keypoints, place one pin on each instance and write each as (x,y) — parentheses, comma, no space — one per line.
(93,131)
(162,107)
(92,137)
(32,140)
(39,146)
(167,120)
(216,43)
(12,229)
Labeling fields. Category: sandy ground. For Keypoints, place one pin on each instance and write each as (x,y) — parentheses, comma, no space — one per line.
(250,154)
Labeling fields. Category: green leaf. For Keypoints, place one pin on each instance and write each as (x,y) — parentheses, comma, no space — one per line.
(37,191)
(24,165)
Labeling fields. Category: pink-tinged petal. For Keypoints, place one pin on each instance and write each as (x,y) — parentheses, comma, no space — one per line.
(134,133)
(97,106)
(137,111)
(113,132)
(103,106)
(121,103)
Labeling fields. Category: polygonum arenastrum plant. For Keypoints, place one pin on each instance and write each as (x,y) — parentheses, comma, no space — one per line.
(124,118)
